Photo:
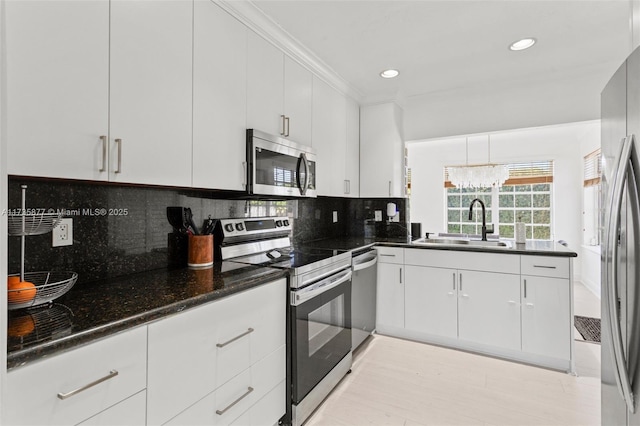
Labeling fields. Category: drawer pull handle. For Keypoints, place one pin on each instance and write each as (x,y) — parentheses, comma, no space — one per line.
(388,255)
(111,375)
(221,412)
(544,266)
(222,345)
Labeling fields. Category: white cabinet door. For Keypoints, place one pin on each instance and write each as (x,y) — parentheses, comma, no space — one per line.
(329,138)
(489,308)
(219,98)
(102,374)
(382,171)
(431,303)
(298,90)
(265,86)
(352,157)
(130,412)
(546,316)
(150,87)
(390,291)
(57,72)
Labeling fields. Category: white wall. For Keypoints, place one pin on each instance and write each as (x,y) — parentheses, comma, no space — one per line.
(3,206)
(563,144)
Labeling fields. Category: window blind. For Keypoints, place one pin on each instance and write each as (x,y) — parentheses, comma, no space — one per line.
(519,173)
(592,168)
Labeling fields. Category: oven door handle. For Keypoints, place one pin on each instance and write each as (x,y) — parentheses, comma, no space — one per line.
(300,296)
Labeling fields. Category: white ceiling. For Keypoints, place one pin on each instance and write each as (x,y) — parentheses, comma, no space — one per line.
(453,57)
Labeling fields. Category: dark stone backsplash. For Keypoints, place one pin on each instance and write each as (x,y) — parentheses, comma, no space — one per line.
(134,234)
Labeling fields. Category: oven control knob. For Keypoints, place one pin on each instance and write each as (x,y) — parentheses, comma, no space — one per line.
(286,223)
(239,226)
(278,223)
(228,227)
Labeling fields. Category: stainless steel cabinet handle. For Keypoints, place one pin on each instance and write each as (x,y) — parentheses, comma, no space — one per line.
(460,284)
(544,266)
(222,345)
(400,275)
(119,169)
(111,375)
(104,154)
(387,255)
(221,412)
(282,132)
(525,289)
(454,281)
(286,120)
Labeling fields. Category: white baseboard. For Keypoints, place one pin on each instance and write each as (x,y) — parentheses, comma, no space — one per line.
(592,286)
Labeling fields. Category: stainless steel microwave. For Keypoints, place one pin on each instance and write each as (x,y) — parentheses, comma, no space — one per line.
(278,166)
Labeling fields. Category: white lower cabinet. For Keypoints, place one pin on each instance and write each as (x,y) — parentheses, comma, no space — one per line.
(74,386)
(130,412)
(546,316)
(431,300)
(390,289)
(489,309)
(479,301)
(216,347)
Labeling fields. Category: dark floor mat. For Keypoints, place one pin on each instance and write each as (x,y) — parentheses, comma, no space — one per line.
(588,327)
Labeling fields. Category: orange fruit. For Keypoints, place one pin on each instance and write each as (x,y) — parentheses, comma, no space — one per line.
(13,280)
(21,326)
(22,292)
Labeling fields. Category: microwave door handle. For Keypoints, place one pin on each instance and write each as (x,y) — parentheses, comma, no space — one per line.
(611,272)
(302,160)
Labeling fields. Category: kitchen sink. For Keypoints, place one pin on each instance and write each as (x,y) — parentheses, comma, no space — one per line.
(462,241)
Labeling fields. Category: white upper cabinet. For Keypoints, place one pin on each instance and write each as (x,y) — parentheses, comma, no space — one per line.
(352,157)
(219,98)
(382,168)
(279,92)
(151,86)
(265,86)
(329,138)
(297,102)
(100,90)
(57,74)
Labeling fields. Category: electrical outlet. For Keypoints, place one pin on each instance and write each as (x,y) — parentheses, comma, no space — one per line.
(62,234)
(335,216)
(378,214)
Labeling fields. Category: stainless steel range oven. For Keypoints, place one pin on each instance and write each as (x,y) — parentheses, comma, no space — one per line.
(319,317)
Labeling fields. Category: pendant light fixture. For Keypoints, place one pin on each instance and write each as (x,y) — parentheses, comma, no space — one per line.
(480,175)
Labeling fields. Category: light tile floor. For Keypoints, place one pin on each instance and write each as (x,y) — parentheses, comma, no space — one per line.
(399,382)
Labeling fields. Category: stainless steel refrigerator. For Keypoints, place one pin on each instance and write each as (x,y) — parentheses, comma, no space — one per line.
(620,238)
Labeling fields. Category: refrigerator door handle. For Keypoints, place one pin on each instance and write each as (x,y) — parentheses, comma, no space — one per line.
(628,155)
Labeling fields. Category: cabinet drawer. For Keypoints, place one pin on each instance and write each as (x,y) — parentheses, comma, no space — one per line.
(545,266)
(36,389)
(390,255)
(473,261)
(238,395)
(197,351)
(130,412)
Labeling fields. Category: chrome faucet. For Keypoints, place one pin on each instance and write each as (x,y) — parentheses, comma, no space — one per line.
(484,218)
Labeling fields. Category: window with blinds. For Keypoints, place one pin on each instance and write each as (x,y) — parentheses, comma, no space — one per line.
(592,168)
(520,173)
(525,197)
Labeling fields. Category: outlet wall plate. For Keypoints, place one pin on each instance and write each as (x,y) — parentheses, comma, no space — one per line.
(378,215)
(335,216)
(62,234)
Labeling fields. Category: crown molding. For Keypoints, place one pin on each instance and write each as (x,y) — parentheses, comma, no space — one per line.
(256,20)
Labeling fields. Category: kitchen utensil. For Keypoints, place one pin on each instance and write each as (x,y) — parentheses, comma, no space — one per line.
(188,220)
(175,216)
(208,226)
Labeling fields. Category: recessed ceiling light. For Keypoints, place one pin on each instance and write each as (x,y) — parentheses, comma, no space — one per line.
(525,43)
(389,73)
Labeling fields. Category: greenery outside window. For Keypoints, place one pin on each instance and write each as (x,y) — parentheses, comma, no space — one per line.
(525,197)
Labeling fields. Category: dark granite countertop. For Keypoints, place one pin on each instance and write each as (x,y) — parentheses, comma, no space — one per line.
(535,248)
(538,248)
(90,311)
